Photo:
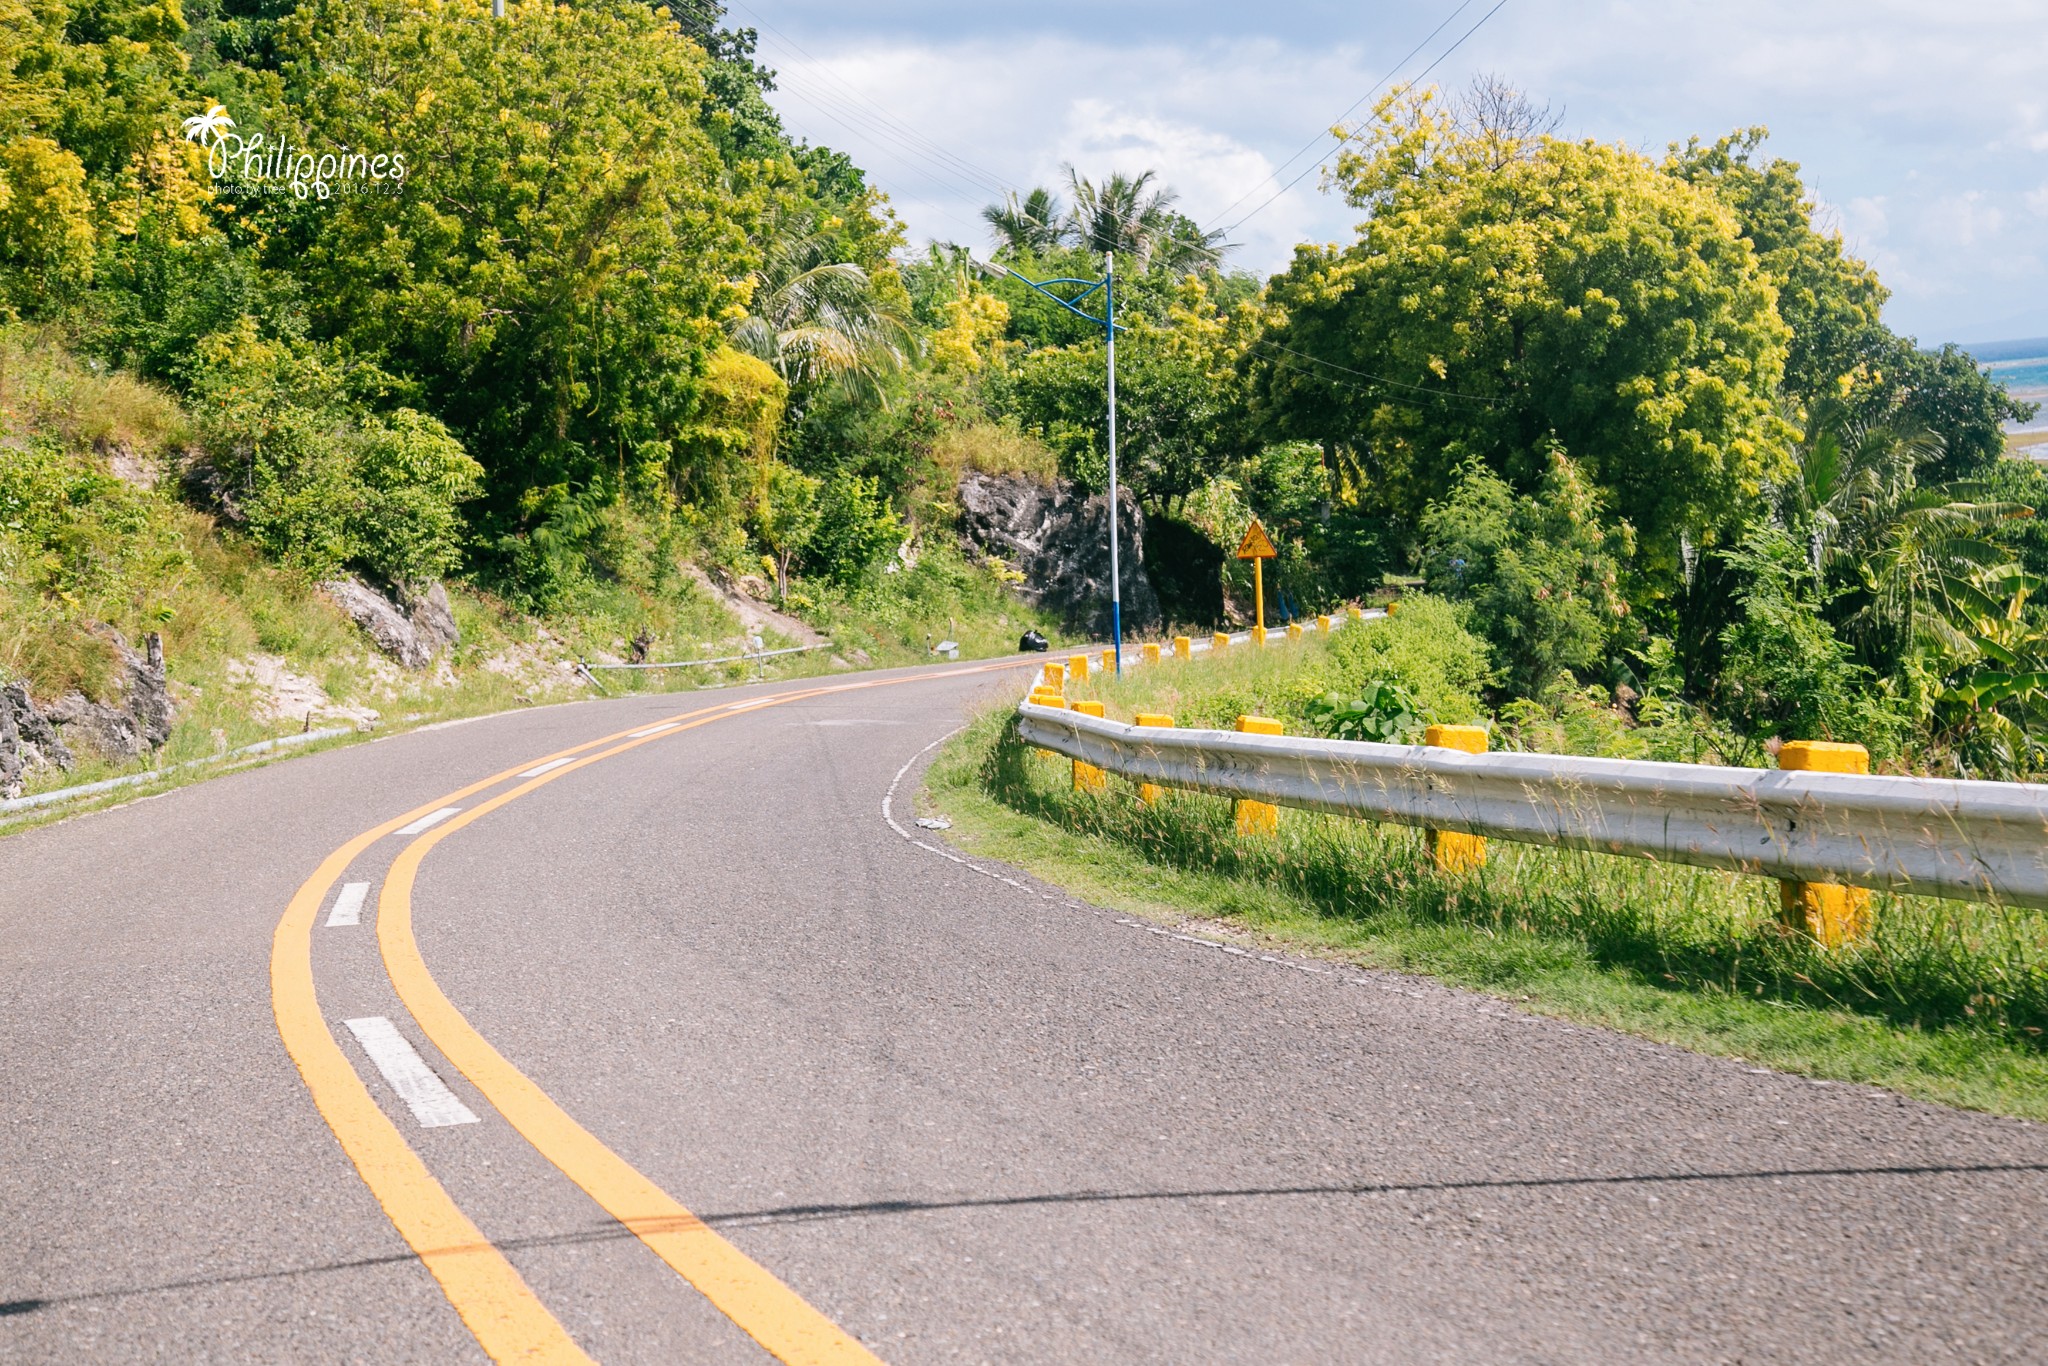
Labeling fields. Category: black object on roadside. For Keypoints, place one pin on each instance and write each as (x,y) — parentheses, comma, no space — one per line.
(1032,641)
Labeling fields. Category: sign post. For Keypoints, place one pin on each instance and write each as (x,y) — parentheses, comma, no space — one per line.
(1258,547)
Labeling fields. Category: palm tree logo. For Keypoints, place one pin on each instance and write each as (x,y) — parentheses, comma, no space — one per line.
(208,128)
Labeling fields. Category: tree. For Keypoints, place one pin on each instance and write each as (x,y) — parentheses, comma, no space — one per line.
(1127,215)
(785,517)
(551,277)
(1509,293)
(1175,424)
(1032,225)
(818,320)
(1840,353)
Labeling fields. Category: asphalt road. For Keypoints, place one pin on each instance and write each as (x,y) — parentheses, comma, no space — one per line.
(766,1071)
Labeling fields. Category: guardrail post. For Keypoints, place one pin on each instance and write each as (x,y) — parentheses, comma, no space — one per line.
(1077,668)
(1149,793)
(1183,648)
(1258,818)
(1357,612)
(1392,608)
(1056,677)
(1043,697)
(1454,850)
(1109,661)
(1219,641)
(1259,636)
(1294,631)
(1150,654)
(1087,777)
(1323,625)
(1832,914)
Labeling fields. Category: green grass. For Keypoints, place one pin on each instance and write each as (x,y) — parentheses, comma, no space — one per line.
(1947,1003)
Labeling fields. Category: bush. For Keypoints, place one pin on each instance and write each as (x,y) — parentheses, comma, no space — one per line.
(856,528)
(1426,648)
(410,474)
(1783,669)
(1541,573)
(321,483)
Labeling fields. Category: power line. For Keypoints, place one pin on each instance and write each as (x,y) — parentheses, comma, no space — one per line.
(880,116)
(1318,166)
(1381,380)
(1309,146)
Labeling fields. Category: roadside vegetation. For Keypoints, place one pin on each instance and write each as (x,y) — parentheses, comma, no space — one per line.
(631,372)
(1947,1002)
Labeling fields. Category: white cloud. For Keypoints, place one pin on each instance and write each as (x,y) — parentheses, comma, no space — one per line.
(1964,220)
(1914,118)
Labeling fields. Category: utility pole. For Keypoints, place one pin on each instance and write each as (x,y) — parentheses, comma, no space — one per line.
(1116,578)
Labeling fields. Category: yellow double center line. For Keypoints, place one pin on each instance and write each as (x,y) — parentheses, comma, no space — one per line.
(495,1302)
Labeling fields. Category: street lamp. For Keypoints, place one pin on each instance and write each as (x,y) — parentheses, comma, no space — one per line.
(1107,284)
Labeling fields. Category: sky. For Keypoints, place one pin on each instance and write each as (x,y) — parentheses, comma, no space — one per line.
(1921,128)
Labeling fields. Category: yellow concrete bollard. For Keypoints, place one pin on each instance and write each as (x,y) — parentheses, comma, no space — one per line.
(1832,914)
(1056,676)
(1183,648)
(1258,818)
(1454,850)
(1149,793)
(1109,661)
(1294,632)
(1357,612)
(1219,641)
(1151,654)
(1077,668)
(1392,608)
(1087,777)
(1259,636)
(1323,625)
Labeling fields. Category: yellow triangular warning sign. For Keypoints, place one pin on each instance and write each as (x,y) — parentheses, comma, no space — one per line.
(1255,545)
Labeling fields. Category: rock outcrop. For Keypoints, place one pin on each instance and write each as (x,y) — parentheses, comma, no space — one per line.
(135,722)
(1058,539)
(413,630)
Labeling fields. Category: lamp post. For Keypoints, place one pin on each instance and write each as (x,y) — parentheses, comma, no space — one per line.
(1107,284)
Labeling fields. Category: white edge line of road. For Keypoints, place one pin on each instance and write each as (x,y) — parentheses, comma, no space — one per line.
(1340,972)
(348,907)
(429,1098)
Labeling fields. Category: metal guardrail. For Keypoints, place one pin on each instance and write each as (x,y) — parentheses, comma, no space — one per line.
(66,794)
(1980,841)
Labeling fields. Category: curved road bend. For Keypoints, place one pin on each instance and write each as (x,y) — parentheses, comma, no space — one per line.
(855,1100)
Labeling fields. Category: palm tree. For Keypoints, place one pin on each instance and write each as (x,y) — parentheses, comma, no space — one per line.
(1031,226)
(817,320)
(1126,214)
(1913,562)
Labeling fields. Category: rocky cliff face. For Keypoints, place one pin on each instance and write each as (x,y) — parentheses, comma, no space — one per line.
(1059,541)
(413,630)
(135,722)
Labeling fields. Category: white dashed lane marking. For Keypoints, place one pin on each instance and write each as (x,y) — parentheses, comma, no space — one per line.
(429,821)
(550,767)
(348,907)
(429,1098)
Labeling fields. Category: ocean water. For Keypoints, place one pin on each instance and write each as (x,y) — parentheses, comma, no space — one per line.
(2027,378)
